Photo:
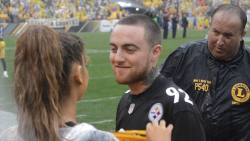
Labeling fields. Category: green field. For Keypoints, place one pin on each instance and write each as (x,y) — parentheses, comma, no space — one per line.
(98,106)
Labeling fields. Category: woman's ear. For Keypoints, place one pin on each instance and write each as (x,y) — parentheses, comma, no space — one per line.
(78,80)
(77,74)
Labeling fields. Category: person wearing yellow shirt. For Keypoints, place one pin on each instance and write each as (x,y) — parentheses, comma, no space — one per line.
(2,52)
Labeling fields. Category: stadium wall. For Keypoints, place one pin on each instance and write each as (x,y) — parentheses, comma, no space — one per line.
(70,25)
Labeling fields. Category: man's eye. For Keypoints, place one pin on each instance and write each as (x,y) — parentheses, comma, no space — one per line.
(114,50)
(227,36)
(130,49)
(216,32)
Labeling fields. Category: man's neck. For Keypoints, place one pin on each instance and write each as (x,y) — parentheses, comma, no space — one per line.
(139,87)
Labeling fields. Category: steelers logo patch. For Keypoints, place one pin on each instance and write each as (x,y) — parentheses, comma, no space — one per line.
(155,112)
(240,93)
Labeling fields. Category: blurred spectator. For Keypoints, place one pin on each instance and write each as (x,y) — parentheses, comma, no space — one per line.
(184,24)
(2,51)
(165,24)
(174,21)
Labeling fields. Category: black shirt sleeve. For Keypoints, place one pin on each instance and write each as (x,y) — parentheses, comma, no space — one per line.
(188,127)
(172,62)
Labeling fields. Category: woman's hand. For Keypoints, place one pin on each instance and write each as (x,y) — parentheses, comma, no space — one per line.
(158,131)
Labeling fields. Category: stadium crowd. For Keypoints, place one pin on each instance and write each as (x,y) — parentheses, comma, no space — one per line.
(20,10)
(15,11)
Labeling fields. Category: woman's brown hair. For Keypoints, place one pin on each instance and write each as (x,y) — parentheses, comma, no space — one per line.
(43,63)
(37,74)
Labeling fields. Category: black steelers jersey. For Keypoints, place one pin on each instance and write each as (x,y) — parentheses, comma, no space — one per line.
(162,100)
(221,90)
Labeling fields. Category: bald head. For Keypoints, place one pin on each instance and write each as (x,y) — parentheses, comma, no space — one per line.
(232,10)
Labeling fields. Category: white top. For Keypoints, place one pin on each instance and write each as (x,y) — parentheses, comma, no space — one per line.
(80,132)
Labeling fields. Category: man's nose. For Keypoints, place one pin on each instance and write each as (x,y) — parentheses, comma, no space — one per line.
(220,40)
(119,56)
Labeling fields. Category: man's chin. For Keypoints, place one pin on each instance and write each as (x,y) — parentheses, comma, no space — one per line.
(221,58)
(119,81)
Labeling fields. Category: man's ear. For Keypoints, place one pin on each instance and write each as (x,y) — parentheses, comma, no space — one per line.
(156,51)
(155,54)
(243,33)
(77,74)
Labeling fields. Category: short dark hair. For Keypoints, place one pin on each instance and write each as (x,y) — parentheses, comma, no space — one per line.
(72,52)
(233,9)
(152,29)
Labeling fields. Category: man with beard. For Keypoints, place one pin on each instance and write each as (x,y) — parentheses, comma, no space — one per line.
(135,46)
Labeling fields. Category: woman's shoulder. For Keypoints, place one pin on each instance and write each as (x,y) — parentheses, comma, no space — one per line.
(10,134)
(84,132)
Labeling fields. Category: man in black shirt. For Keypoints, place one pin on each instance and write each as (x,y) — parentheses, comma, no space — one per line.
(174,21)
(216,75)
(135,46)
(184,24)
(165,23)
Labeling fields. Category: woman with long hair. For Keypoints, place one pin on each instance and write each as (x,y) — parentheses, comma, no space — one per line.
(50,76)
